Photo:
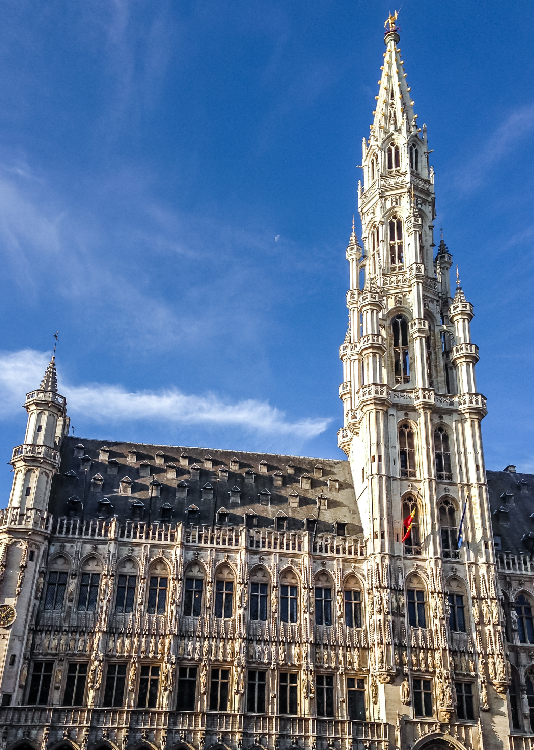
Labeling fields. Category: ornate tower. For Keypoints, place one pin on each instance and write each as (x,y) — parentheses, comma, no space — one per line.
(412,432)
(25,528)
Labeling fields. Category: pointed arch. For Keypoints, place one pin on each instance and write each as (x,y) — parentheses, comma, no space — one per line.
(260,586)
(407,449)
(401,350)
(416,599)
(289,595)
(225,578)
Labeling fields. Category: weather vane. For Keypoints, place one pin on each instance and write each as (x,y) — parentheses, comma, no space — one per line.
(457,277)
(56,336)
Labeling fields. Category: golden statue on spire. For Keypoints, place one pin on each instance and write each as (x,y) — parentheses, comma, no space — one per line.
(391,20)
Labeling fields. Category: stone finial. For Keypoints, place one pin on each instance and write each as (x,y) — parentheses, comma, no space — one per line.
(49,382)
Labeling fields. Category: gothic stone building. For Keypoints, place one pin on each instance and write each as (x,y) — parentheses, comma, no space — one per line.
(177,598)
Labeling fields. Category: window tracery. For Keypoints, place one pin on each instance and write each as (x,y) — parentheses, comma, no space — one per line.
(407,450)
(396,244)
(401,354)
(442,454)
(448,528)
(412,543)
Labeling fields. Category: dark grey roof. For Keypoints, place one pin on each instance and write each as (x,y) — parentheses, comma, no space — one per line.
(262,479)
(512,505)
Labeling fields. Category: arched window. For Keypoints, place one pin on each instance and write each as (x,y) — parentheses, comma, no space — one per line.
(401,353)
(158,587)
(529,684)
(407,450)
(289,596)
(224,592)
(442,453)
(416,603)
(259,594)
(89,585)
(57,584)
(412,543)
(126,586)
(393,156)
(414,157)
(448,529)
(375,245)
(323,599)
(457,606)
(194,587)
(353,603)
(396,244)
(373,169)
(525,628)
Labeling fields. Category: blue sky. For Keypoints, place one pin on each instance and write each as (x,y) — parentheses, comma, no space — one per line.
(150,154)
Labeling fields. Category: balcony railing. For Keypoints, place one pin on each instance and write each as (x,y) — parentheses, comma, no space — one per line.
(32,518)
(521,563)
(36,451)
(48,396)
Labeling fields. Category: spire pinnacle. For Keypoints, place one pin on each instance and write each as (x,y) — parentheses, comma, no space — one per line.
(459,296)
(49,382)
(458,282)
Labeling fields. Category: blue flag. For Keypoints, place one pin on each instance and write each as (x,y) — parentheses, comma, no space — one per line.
(460,536)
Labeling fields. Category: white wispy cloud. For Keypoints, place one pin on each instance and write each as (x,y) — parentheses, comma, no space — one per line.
(96,403)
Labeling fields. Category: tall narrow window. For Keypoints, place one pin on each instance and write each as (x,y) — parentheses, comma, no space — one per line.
(356,698)
(55,592)
(464,706)
(323,606)
(412,543)
(396,244)
(224,597)
(287,693)
(40,683)
(401,354)
(353,609)
(325,694)
(457,613)
(375,249)
(288,603)
(157,595)
(422,698)
(416,608)
(373,170)
(442,453)
(448,529)
(407,450)
(525,629)
(88,596)
(187,681)
(193,597)
(75,685)
(115,684)
(514,696)
(125,593)
(256,691)
(428,355)
(147,696)
(220,683)
(414,157)
(258,601)
(393,156)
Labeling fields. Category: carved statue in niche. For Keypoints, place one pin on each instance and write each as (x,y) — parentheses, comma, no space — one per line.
(405,692)
(203,678)
(374,690)
(132,676)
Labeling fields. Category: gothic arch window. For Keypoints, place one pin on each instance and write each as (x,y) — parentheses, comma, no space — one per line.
(194,588)
(158,585)
(525,627)
(412,543)
(89,585)
(375,247)
(126,586)
(289,591)
(396,244)
(448,528)
(259,595)
(414,157)
(353,602)
(407,450)
(529,685)
(442,454)
(457,603)
(401,353)
(393,156)
(416,602)
(323,599)
(224,592)
(57,584)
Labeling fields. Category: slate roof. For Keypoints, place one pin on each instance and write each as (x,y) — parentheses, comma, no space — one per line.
(512,505)
(78,487)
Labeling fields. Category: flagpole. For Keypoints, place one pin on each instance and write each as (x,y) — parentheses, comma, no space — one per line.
(460,537)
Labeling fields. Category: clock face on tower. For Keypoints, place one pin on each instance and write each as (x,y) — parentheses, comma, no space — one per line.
(7,615)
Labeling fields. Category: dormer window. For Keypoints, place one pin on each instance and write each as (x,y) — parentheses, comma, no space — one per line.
(79,450)
(311,525)
(104,508)
(195,471)
(207,492)
(341,528)
(170,471)
(126,486)
(223,474)
(234,464)
(291,468)
(249,476)
(160,458)
(181,490)
(278,478)
(96,483)
(222,516)
(318,470)
(263,466)
(138,510)
(184,459)
(192,514)
(293,499)
(155,488)
(265,497)
(132,456)
(166,512)
(104,454)
(414,157)
(113,466)
(75,505)
(396,244)
(144,469)
(235,495)
(251,520)
(393,156)
(208,462)
(322,502)
(85,461)
(305,482)
(281,523)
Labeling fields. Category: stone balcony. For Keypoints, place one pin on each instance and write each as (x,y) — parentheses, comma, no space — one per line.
(46,396)
(42,452)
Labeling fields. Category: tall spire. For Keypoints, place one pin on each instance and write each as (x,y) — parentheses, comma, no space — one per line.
(394,105)
(49,382)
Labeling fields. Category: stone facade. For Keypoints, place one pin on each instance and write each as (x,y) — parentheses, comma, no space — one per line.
(172,597)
